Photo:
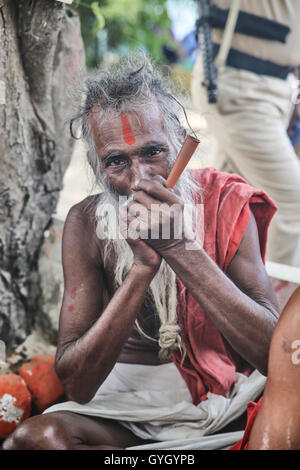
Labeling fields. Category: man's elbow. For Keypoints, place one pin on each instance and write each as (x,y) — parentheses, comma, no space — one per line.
(263,361)
(78,396)
(72,389)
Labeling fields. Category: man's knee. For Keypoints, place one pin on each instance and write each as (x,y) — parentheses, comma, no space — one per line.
(42,432)
(17,440)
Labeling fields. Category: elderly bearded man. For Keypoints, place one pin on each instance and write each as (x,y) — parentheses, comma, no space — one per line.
(158,342)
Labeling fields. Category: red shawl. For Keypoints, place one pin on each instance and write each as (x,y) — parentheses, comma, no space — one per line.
(211,364)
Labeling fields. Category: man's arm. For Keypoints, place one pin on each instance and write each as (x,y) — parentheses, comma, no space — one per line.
(242,303)
(92,329)
(277,425)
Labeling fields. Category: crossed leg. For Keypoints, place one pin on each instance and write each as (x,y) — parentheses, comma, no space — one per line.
(277,424)
(64,430)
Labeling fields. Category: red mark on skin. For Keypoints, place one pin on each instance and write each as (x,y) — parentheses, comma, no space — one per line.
(127,131)
(70,308)
(286,345)
(73,293)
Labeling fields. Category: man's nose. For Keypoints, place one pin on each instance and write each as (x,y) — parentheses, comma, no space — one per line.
(140,171)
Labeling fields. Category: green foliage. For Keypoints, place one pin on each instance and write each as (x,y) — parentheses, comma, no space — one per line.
(99,19)
(123,25)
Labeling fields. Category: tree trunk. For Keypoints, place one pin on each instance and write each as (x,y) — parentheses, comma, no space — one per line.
(40,50)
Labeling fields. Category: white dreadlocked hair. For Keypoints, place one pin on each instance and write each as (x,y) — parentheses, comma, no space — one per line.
(129,85)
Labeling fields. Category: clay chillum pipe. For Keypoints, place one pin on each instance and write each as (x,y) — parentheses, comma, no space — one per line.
(186,152)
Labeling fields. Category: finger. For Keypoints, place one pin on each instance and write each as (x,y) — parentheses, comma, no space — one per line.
(156,190)
(160,179)
(129,227)
(141,197)
(139,212)
(137,227)
(163,182)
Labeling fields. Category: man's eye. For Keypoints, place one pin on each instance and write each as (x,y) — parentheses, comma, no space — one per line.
(114,162)
(155,151)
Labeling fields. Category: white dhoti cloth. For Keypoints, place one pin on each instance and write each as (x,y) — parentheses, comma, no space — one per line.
(155,404)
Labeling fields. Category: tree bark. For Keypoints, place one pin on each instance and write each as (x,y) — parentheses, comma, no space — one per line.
(40,49)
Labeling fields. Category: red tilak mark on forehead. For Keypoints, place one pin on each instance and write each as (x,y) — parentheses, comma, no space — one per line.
(127,131)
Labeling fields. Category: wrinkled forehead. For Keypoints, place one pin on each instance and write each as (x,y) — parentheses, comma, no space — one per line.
(109,126)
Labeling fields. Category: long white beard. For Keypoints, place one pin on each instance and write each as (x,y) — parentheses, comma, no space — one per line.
(162,289)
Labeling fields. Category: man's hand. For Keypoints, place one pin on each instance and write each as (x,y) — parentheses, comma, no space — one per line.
(156,214)
(144,255)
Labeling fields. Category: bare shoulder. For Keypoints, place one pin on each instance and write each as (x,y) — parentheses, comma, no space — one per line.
(80,228)
(84,211)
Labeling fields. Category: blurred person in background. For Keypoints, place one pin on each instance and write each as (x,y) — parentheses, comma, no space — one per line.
(256,96)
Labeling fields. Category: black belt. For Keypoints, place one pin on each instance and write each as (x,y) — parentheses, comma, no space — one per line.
(250,24)
(241,60)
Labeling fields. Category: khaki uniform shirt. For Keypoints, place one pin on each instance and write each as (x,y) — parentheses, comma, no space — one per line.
(282,11)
